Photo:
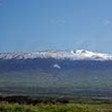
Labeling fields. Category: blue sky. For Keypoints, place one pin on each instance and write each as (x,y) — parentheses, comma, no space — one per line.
(31,25)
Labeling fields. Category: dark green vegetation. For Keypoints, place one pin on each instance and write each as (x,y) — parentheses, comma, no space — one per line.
(53,104)
(70,107)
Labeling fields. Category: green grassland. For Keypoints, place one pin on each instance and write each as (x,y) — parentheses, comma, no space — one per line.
(70,107)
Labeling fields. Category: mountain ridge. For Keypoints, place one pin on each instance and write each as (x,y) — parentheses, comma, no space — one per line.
(72,55)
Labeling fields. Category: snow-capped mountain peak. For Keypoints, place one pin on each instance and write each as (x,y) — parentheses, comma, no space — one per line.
(73,55)
(90,54)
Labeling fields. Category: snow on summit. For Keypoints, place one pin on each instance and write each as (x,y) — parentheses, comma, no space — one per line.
(90,54)
(73,55)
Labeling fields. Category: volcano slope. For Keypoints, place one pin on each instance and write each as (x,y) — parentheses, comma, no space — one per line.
(79,74)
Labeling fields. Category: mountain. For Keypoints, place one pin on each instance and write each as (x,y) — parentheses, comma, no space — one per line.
(55,72)
(72,55)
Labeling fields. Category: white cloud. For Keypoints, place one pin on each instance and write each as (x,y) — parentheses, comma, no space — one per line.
(107,22)
(58,20)
(56,66)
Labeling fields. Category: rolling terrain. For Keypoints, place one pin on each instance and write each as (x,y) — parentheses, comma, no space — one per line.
(79,73)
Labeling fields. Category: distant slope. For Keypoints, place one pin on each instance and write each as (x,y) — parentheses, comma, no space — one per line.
(52,72)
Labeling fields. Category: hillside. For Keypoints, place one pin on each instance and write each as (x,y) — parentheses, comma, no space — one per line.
(53,72)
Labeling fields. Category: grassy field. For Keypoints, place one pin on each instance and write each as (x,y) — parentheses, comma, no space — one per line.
(70,107)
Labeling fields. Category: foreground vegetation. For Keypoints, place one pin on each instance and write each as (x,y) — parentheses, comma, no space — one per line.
(53,104)
(69,107)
